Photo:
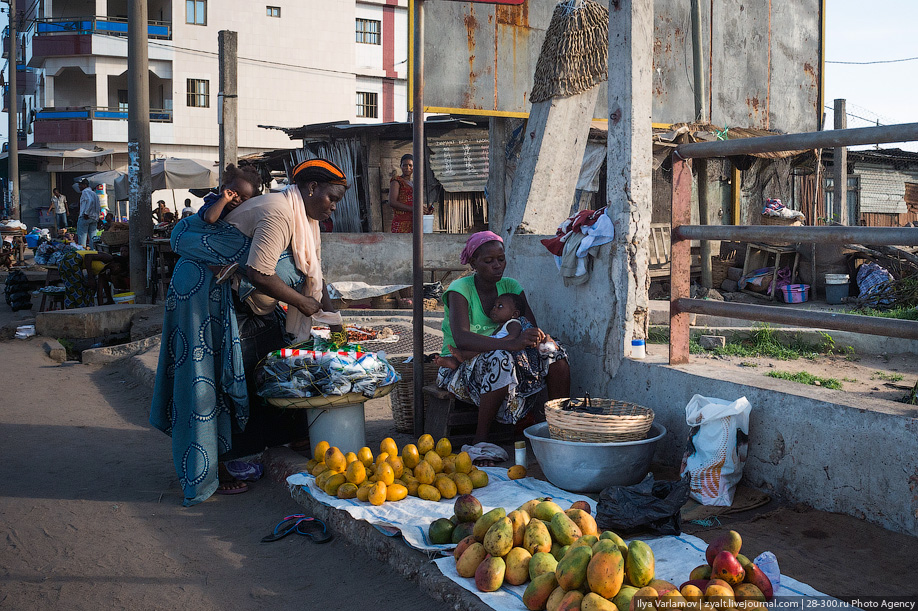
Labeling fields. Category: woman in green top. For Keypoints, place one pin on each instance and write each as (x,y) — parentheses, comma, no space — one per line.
(507,375)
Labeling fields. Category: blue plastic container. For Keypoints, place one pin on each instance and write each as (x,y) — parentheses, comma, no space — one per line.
(836,292)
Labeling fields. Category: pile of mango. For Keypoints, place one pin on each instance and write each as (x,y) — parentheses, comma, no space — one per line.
(571,564)
(426,470)
(728,579)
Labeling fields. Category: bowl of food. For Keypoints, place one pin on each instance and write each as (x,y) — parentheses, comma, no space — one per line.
(578,466)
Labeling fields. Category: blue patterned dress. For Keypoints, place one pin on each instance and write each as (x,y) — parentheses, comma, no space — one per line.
(200,396)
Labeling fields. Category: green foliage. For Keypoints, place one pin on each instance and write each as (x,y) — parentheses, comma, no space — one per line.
(888,377)
(902,313)
(803,377)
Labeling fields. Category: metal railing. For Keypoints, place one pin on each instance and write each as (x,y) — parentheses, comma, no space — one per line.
(681,305)
(114,26)
(157,115)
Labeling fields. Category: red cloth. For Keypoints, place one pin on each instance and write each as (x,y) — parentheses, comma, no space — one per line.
(584,218)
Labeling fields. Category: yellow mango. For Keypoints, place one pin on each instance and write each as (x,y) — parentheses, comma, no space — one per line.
(435,461)
(463,462)
(413,486)
(377,494)
(311,464)
(356,473)
(322,477)
(334,458)
(365,455)
(410,456)
(398,467)
(385,473)
(363,491)
(319,468)
(425,444)
(516,472)
(333,483)
(381,457)
(447,487)
(396,492)
(428,493)
(388,446)
(463,484)
(424,473)
(479,478)
(319,452)
(347,491)
(444,447)
(349,458)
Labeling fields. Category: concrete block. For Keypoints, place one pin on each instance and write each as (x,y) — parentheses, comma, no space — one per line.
(712,342)
(147,323)
(85,323)
(110,354)
(55,350)
(734,273)
(729,286)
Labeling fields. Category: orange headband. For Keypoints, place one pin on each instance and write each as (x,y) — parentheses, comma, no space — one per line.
(320,170)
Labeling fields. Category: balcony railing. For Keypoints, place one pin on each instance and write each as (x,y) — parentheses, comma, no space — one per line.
(157,115)
(113,26)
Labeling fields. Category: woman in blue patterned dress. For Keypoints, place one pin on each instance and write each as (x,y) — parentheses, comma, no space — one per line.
(213,337)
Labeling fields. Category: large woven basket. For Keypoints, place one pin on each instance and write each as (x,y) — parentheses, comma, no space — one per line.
(116,238)
(597,420)
(403,396)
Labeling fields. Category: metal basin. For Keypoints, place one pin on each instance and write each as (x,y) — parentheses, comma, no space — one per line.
(590,467)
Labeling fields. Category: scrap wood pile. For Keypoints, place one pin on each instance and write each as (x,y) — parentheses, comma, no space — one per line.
(889,278)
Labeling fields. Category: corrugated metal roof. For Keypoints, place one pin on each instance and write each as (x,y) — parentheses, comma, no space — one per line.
(460,163)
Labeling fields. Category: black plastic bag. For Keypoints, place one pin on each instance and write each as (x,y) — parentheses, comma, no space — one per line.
(650,506)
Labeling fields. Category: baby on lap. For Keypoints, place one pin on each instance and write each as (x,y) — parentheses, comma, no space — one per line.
(507,312)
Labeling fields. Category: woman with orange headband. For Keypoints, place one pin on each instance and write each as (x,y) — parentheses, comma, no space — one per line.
(214,333)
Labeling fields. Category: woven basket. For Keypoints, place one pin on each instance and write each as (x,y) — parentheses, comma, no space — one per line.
(403,396)
(777,220)
(719,269)
(606,421)
(116,238)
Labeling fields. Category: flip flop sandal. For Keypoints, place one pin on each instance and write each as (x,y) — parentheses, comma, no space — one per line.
(238,490)
(301,525)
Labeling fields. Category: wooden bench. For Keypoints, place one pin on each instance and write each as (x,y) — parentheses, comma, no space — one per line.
(659,254)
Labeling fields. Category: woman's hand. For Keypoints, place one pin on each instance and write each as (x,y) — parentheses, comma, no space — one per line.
(526,339)
(308,306)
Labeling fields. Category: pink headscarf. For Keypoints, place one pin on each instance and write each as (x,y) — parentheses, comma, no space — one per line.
(475,240)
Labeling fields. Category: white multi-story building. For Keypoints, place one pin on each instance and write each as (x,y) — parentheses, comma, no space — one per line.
(299,62)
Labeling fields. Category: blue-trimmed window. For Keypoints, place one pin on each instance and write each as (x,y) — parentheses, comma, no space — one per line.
(196,12)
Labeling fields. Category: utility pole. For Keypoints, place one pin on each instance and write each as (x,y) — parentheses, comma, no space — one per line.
(420,199)
(14,114)
(840,170)
(228,101)
(701,165)
(140,195)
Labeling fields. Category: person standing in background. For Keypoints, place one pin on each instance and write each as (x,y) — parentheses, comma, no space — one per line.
(58,209)
(160,213)
(187,210)
(90,209)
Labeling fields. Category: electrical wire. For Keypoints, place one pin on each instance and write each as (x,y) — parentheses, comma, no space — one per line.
(881,61)
(871,121)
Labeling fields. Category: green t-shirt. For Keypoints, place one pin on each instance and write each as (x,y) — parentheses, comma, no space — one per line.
(479,322)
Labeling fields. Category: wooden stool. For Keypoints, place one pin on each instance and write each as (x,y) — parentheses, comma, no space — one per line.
(51,302)
(760,255)
(447,416)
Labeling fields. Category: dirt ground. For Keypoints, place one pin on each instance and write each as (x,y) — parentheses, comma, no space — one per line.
(885,376)
(91,511)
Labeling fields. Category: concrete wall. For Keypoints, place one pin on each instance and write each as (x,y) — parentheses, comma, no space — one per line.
(835,452)
(384,258)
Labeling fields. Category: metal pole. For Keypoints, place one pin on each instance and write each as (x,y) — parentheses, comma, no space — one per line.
(420,168)
(140,195)
(901,236)
(904,132)
(840,171)
(871,325)
(701,167)
(14,115)
(227,42)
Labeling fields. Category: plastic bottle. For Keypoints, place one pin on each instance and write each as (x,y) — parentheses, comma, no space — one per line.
(638,349)
(768,562)
(519,453)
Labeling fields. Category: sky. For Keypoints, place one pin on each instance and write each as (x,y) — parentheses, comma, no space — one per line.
(856,31)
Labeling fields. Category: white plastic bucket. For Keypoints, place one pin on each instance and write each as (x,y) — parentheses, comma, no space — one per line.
(428,224)
(836,278)
(342,426)
(123,298)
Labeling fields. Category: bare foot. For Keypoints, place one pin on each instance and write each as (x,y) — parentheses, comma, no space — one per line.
(484,462)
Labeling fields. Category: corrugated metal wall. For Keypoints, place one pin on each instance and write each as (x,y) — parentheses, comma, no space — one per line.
(460,161)
(883,188)
(764,59)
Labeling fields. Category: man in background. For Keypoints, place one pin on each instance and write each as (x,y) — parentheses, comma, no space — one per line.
(90,209)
